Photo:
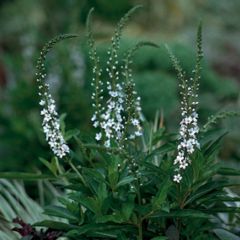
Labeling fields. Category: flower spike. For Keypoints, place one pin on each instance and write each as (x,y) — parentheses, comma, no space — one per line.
(189,129)
(51,122)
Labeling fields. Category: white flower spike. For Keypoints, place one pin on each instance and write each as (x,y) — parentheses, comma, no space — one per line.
(51,122)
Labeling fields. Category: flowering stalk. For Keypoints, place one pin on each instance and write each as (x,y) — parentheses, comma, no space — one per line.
(51,122)
(111,119)
(189,129)
(96,81)
(115,45)
(132,102)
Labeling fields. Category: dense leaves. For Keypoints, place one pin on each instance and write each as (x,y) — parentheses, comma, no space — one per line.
(112,204)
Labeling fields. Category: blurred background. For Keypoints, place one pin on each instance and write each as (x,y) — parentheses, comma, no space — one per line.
(26,25)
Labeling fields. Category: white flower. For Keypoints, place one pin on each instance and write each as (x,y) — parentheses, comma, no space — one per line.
(43,112)
(178,159)
(113,93)
(98,136)
(132,136)
(183,165)
(93,118)
(135,122)
(113,117)
(138,133)
(42,102)
(96,124)
(189,129)
(188,120)
(51,122)
(177,178)
(107,144)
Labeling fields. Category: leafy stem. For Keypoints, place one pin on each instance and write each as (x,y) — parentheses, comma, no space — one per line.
(74,168)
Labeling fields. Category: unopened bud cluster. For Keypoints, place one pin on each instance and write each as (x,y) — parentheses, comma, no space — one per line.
(116,121)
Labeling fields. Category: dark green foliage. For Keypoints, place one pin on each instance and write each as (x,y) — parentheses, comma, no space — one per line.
(128,193)
(113,203)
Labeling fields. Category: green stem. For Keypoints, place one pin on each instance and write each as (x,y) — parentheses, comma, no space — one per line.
(140,233)
(76,171)
(140,230)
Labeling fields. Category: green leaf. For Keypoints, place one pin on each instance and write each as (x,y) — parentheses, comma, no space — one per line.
(127,208)
(102,193)
(73,207)
(204,190)
(90,203)
(94,174)
(92,228)
(181,213)
(113,174)
(223,210)
(53,166)
(62,122)
(158,135)
(229,171)
(214,147)
(211,135)
(60,212)
(159,238)
(165,148)
(25,176)
(161,196)
(225,235)
(116,218)
(122,236)
(125,181)
(103,234)
(71,133)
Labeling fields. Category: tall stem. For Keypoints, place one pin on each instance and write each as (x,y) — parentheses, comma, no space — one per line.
(76,171)
(140,230)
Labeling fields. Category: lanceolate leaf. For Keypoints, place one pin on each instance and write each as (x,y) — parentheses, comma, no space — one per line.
(56,225)
(161,196)
(93,228)
(60,212)
(25,176)
(229,171)
(225,235)
(168,147)
(125,180)
(181,214)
